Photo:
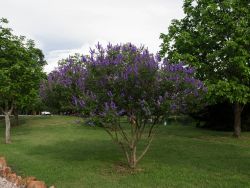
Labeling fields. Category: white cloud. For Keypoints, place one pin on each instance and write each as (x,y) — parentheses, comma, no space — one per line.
(60,27)
(54,56)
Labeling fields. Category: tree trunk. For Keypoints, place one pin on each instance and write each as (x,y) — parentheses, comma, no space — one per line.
(33,112)
(237,119)
(132,160)
(7,129)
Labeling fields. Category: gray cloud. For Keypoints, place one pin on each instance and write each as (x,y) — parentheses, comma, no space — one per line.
(60,27)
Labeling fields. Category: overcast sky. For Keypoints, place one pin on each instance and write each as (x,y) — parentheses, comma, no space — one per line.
(64,27)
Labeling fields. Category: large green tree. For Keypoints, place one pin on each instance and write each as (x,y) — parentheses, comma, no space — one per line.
(214,36)
(21,65)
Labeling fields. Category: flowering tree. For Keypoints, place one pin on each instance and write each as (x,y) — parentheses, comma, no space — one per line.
(124,82)
(64,85)
(126,91)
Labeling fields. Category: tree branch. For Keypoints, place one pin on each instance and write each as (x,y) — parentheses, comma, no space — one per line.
(111,135)
(116,140)
(152,126)
(145,150)
(123,133)
(124,150)
(11,108)
(6,106)
(142,128)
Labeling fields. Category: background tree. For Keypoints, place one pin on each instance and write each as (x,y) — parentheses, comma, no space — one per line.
(220,117)
(214,37)
(63,85)
(125,83)
(20,72)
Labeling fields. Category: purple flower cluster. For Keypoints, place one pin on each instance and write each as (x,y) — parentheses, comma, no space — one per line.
(124,79)
(78,102)
(67,81)
(177,67)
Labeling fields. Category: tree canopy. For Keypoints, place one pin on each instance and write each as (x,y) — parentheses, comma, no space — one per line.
(214,36)
(21,69)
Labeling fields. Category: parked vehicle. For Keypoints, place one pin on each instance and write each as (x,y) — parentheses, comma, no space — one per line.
(45,113)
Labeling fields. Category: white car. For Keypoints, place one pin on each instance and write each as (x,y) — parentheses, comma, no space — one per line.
(45,113)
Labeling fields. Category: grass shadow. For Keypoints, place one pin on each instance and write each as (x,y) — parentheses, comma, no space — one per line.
(78,150)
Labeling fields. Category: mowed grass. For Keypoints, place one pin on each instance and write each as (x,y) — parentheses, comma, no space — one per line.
(63,153)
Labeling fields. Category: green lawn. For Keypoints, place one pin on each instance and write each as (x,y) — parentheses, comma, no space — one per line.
(61,152)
